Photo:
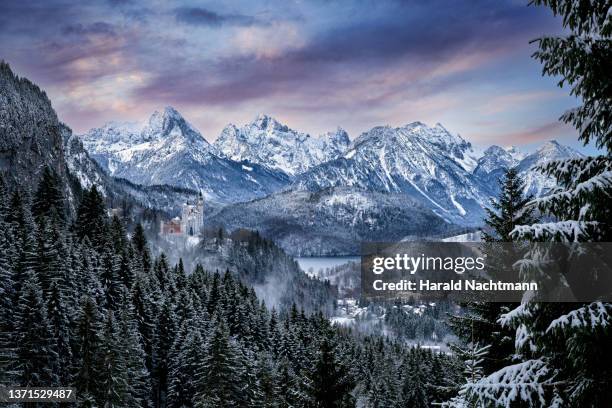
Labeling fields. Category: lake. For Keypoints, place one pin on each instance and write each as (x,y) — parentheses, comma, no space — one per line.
(322,262)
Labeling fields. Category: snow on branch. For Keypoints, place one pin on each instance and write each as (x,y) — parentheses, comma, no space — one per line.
(597,314)
(519,382)
(563,231)
(524,339)
(520,312)
(581,193)
(570,172)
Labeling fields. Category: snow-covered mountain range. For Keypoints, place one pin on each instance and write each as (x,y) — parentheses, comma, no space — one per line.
(168,150)
(429,164)
(438,172)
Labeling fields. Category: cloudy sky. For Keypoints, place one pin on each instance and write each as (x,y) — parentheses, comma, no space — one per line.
(313,64)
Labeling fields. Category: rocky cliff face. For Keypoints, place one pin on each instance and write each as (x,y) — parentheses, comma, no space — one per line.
(32,138)
(30,132)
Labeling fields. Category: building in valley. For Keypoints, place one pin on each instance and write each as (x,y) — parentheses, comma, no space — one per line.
(190,222)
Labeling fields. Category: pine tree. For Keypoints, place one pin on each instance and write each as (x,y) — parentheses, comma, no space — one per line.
(164,337)
(184,366)
(480,322)
(473,356)
(60,323)
(162,272)
(330,381)
(87,345)
(289,393)
(267,382)
(126,270)
(92,219)
(581,58)
(414,390)
(145,317)
(49,198)
(24,251)
(51,253)
(7,297)
(511,209)
(214,294)
(36,348)
(139,385)
(563,352)
(110,277)
(139,240)
(219,374)
(113,381)
(117,234)
(4,199)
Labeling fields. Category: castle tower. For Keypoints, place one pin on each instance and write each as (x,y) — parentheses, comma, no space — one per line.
(192,217)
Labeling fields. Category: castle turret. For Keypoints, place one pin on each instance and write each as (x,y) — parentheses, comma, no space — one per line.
(192,219)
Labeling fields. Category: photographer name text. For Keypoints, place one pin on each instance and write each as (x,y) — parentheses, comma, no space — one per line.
(454,285)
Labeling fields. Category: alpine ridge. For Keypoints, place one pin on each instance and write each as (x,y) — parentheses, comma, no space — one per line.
(428,164)
(286,183)
(169,150)
(269,143)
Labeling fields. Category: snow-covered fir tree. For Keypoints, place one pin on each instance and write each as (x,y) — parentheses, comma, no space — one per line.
(562,350)
(473,356)
(479,322)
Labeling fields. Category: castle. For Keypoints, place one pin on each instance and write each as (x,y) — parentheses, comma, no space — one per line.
(189,223)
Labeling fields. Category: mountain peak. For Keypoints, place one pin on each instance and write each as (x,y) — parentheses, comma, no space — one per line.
(171,112)
(339,137)
(158,119)
(267,122)
(415,124)
(169,122)
(550,144)
(441,127)
(556,149)
(495,149)
(271,144)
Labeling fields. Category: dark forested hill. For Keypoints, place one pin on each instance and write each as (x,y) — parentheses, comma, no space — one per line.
(30,132)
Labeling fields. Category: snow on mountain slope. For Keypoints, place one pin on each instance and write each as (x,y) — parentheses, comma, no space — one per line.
(537,183)
(116,144)
(88,172)
(492,165)
(495,160)
(269,143)
(429,164)
(169,150)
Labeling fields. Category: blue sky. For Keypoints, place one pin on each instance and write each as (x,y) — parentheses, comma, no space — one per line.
(314,65)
